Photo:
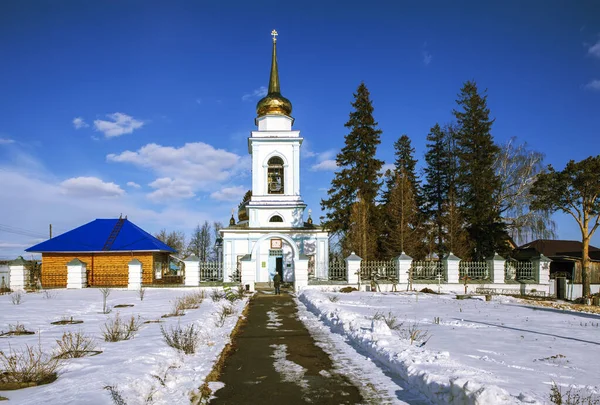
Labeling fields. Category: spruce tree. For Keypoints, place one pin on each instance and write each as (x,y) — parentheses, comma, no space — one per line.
(478,184)
(358,172)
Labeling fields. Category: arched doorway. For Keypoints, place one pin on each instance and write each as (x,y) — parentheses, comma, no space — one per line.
(273,253)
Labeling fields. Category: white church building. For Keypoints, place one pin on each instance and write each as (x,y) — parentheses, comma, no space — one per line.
(273,232)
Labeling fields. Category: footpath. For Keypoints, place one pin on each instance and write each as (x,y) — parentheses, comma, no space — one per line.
(275,361)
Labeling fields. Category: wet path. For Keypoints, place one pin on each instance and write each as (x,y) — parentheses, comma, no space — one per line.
(275,360)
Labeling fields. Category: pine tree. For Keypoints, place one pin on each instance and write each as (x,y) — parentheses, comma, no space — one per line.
(359,237)
(358,172)
(478,184)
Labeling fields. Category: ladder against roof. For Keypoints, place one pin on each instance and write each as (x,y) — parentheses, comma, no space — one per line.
(113,234)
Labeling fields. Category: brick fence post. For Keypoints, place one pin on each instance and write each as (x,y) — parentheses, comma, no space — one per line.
(404,263)
(76,274)
(353,269)
(495,266)
(451,267)
(19,274)
(192,271)
(135,275)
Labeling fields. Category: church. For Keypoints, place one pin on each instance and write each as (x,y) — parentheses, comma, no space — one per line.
(274,232)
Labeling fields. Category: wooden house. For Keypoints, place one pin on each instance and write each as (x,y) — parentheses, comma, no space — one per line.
(106,246)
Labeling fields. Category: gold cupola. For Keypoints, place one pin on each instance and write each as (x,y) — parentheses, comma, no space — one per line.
(274,102)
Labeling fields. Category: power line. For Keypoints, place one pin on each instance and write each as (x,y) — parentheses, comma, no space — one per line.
(21,231)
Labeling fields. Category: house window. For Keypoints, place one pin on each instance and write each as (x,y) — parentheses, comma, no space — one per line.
(275,176)
(276,218)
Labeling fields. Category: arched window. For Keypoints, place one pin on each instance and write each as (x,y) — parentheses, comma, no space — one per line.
(276,218)
(275,176)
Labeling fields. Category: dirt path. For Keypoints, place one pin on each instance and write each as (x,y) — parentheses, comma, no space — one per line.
(276,361)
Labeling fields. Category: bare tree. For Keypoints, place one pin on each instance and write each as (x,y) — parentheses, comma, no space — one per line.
(201,241)
(518,167)
(174,239)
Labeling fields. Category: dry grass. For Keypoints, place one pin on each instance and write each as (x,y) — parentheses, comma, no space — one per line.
(16,298)
(28,367)
(115,330)
(565,306)
(221,316)
(216,295)
(572,396)
(390,320)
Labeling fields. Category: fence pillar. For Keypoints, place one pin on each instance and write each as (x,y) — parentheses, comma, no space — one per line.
(353,269)
(76,274)
(192,271)
(495,265)
(248,275)
(300,272)
(19,274)
(451,268)
(404,262)
(135,275)
(541,270)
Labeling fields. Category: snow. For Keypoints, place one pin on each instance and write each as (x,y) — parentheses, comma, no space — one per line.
(141,367)
(477,352)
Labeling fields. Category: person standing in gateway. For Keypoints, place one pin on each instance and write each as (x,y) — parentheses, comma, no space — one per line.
(277,283)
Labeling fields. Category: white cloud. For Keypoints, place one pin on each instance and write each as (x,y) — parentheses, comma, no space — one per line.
(6,141)
(427,57)
(325,161)
(133,184)
(229,193)
(79,123)
(168,189)
(593,85)
(120,124)
(257,93)
(90,187)
(325,165)
(195,162)
(594,50)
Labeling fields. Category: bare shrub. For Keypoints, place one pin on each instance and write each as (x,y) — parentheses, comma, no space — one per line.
(226,310)
(142,293)
(182,339)
(48,294)
(30,365)
(334,298)
(74,345)
(390,320)
(105,293)
(216,295)
(572,396)
(414,333)
(115,330)
(191,300)
(16,298)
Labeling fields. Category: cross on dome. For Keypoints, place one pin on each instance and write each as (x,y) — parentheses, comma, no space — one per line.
(274,34)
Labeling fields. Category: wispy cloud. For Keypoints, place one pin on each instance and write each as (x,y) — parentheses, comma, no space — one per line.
(118,125)
(90,187)
(593,85)
(594,50)
(229,193)
(6,141)
(133,184)
(387,166)
(79,123)
(257,93)
(426,55)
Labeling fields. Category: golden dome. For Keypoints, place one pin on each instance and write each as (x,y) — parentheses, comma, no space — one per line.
(274,102)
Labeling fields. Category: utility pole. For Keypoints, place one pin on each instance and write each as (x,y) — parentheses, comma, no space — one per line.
(50,231)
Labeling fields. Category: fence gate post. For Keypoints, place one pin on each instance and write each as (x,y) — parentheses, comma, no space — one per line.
(135,275)
(248,275)
(495,266)
(451,267)
(404,262)
(19,274)
(192,271)
(541,270)
(76,274)
(353,268)
(300,272)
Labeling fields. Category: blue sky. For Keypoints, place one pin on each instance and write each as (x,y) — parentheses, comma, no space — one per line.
(143,108)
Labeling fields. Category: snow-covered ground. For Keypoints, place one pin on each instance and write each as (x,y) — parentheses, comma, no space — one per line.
(475,352)
(139,367)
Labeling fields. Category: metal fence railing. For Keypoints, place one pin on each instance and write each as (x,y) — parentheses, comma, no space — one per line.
(379,270)
(473,271)
(337,271)
(212,271)
(523,271)
(428,270)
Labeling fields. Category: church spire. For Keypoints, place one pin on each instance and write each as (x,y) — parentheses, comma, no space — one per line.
(274,103)
(274,78)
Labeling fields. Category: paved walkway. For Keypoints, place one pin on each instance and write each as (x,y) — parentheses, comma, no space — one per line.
(276,361)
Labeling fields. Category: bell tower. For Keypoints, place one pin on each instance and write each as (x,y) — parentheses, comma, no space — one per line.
(275,150)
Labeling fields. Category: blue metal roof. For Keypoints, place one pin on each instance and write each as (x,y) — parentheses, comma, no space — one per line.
(92,237)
